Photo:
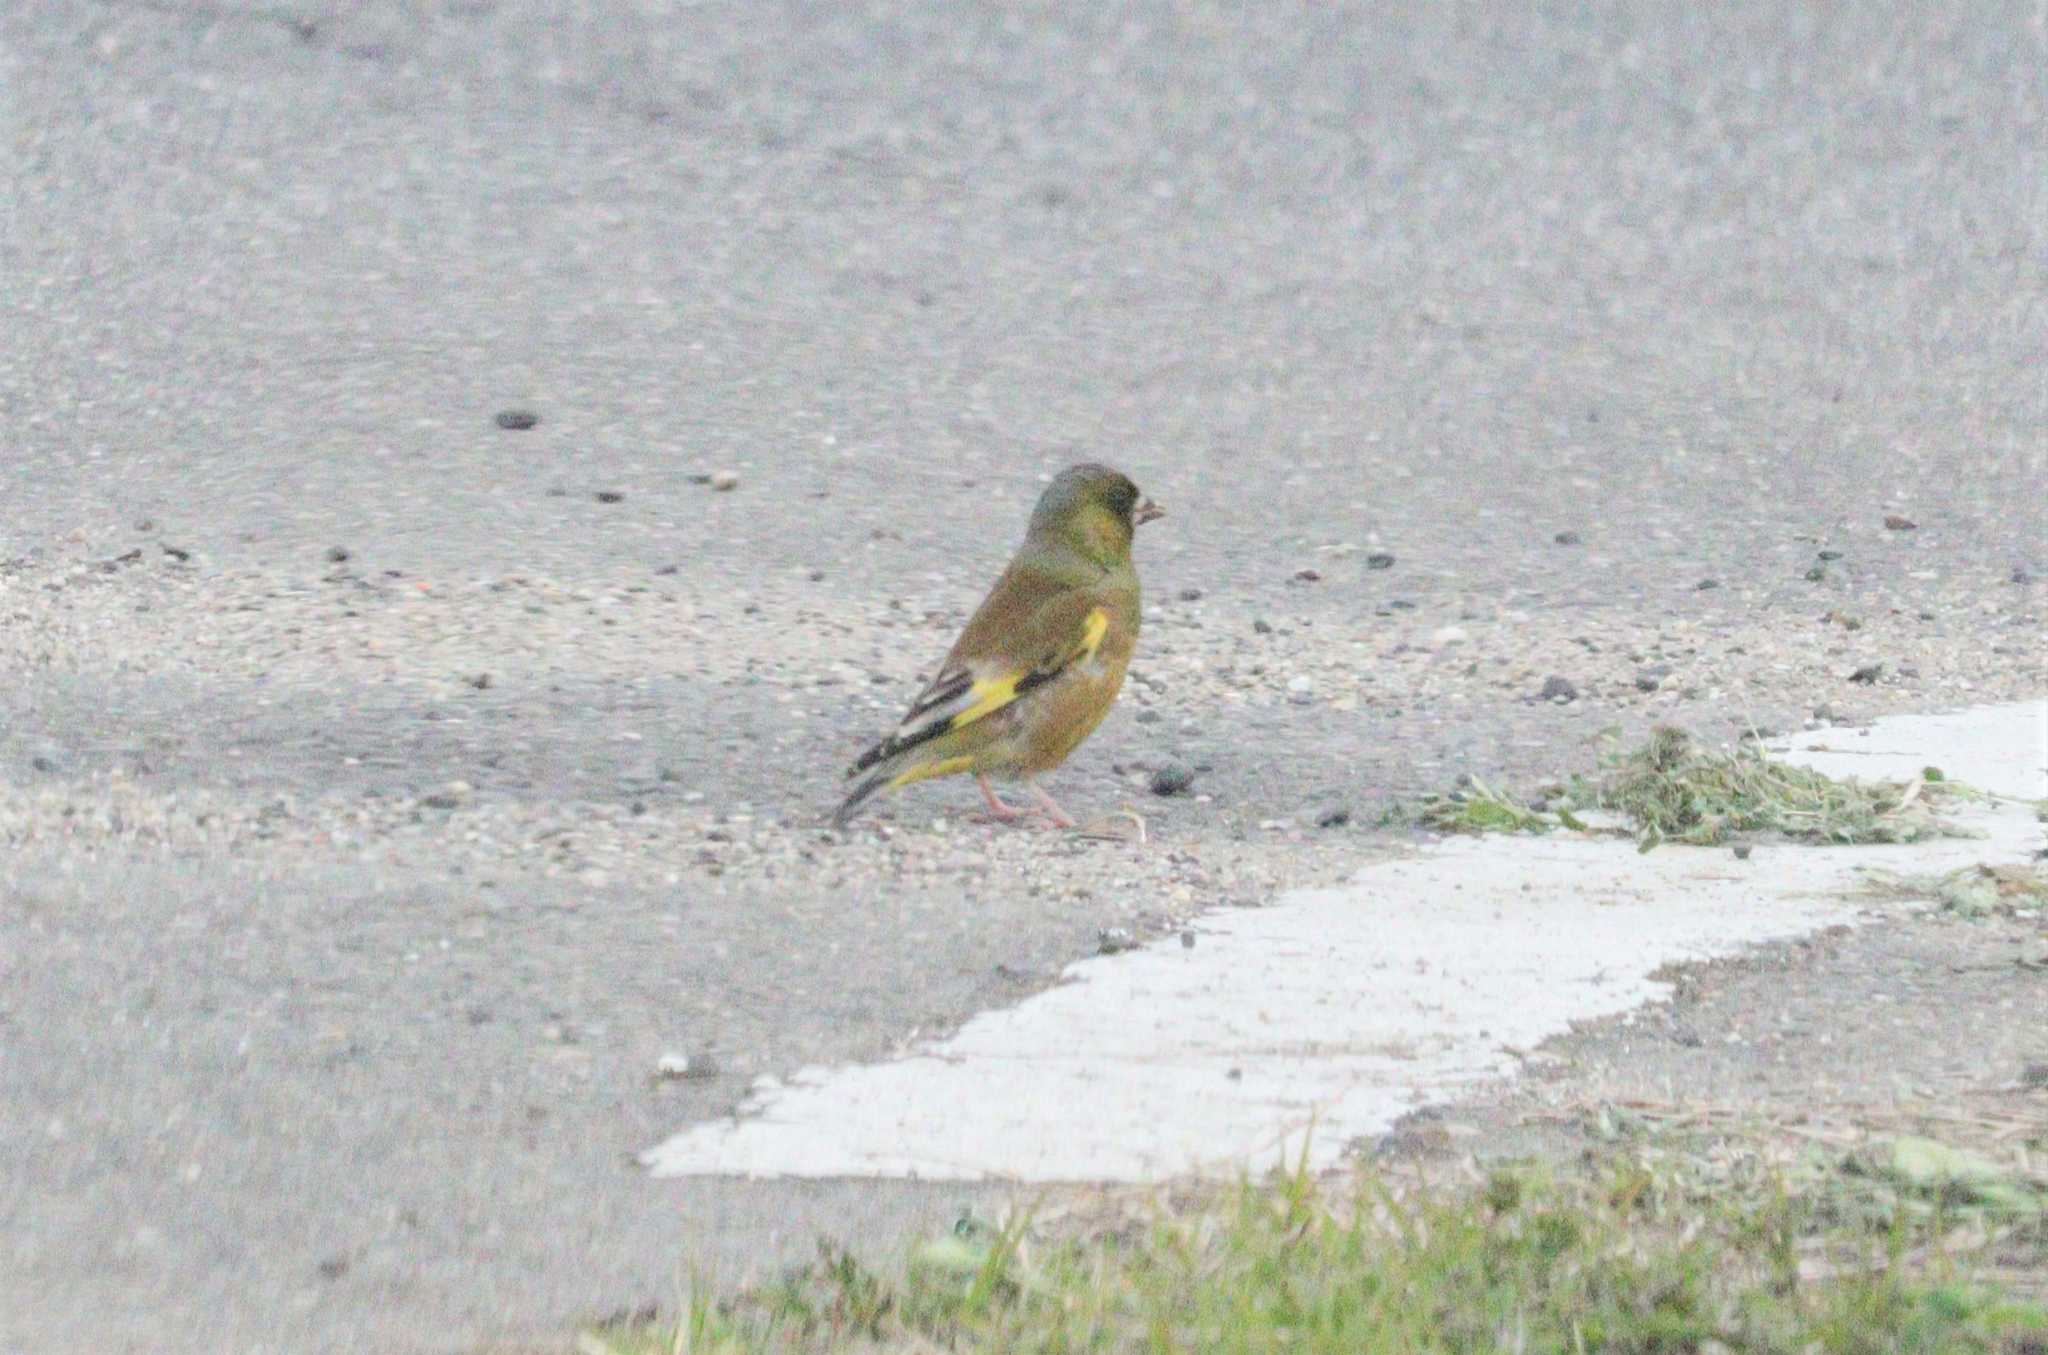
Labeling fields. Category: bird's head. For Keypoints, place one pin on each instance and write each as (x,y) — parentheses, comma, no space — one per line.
(1093,509)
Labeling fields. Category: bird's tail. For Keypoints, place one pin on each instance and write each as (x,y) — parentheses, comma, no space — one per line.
(899,770)
(850,806)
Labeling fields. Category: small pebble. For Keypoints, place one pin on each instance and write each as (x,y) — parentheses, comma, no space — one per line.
(1261,627)
(1308,575)
(1190,595)
(1894,523)
(1114,941)
(337,555)
(1566,538)
(1868,674)
(610,496)
(1187,940)
(2035,1074)
(679,1067)
(1301,689)
(480,681)
(1562,690)
(1742,850)
(1705,584)
(1379,560)
(723,481)
(518,420)
(1828,555)
(1147,716)
(1172,779)
(1816,574)
(1448,635)
(1333,818)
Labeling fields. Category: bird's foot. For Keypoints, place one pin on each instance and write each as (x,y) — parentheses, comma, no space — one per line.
(998,810)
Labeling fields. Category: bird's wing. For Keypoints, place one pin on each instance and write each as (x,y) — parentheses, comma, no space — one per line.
(1025,635)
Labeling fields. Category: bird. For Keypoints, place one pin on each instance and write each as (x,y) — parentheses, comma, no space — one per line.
(1040,662)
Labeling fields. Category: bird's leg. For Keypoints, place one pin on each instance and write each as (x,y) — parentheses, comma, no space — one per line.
(997,810)
(1051,807)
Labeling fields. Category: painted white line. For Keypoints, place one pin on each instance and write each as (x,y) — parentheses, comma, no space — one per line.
(1331,1014)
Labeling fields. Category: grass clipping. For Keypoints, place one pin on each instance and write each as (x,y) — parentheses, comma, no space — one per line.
(1671,789)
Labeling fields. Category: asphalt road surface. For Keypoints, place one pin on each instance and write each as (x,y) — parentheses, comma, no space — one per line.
(384,790)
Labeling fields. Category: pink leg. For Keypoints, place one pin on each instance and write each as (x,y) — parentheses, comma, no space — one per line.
(1060,818)
(997,810)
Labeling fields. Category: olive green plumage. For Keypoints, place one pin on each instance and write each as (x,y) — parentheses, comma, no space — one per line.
(1040,663)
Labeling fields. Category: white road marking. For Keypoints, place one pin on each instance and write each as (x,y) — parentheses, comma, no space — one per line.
(1324,1018)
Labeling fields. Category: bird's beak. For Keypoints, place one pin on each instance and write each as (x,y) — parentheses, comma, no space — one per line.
(1146,511)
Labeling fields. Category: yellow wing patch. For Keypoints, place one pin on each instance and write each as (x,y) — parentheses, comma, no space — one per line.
(943,767)
(992,694)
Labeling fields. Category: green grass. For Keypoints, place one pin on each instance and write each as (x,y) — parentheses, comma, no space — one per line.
(1618,1260)
(1675,790)
(1671,788)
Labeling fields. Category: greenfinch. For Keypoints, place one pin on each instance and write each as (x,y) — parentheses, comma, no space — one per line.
(1040,663)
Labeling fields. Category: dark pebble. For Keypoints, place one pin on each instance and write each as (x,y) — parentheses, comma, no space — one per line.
(1379,560)
(337,554)
(1894,523)
(667,569)
(1566,538)
(1401,604)
(2022,576)
(1172,779)
(700,478)
(1308,576)
(1148,717)
(178,553)
(1190,595)
(610,496)
(1742,850)
(2035,1074)
(1868,674)
(441,800)
(1704,584)
(817,576)
(518,420)
(42,764)
(1559,689)
(480,681)
(1333,818)
(1647,681)
(1262,627)
(334,1267)
(1816,574)
(1827,555)
(1114,941)
(1187,940)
